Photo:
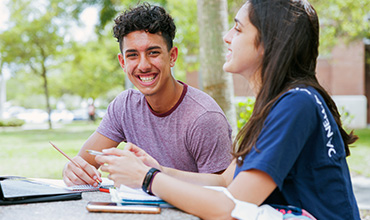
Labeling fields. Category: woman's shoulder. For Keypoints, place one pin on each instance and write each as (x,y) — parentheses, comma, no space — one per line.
(299,96)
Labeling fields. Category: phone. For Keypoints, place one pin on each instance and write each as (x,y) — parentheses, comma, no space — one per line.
(118,208)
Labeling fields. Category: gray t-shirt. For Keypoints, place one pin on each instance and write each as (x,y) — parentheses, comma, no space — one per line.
(193,136)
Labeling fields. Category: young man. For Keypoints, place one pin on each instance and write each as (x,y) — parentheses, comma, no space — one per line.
(178,125)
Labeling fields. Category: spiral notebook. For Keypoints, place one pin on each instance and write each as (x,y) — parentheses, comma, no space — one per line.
(88,188)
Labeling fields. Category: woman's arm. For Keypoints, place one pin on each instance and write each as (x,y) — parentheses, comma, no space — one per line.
(203,179)
(251,186)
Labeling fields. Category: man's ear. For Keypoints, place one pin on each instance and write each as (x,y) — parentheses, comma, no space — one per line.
(121,60)
(174,52)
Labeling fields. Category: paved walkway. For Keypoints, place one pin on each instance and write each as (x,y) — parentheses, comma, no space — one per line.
(361,188)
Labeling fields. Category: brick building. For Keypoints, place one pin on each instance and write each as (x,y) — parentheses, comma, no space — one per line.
(343,74)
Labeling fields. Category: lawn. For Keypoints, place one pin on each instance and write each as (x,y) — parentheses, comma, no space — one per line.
(359,161)
(28,152)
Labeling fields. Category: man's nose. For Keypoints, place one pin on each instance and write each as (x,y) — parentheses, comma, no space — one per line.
(144,64)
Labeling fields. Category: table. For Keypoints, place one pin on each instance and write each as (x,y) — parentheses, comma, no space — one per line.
(76,209)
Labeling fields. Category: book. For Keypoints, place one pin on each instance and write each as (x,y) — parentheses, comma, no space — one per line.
(17,190)
(127,195)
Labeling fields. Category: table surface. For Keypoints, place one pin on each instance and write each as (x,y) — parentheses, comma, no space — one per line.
(76,209)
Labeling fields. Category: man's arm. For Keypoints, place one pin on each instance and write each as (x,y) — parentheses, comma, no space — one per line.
(210,143)
(96,142)
(87,172)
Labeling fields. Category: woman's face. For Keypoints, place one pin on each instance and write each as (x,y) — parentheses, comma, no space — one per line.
(243,57)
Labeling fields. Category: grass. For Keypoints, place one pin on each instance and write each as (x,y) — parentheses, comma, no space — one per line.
(28,152)
(359,161)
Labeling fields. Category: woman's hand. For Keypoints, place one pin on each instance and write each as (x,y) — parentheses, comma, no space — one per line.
(144,156)
(123,166)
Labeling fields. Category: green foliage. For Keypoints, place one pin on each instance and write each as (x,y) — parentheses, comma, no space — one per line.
(346,20)
(184,13)
(244,111)
(91,70)
(345,116)
(11,122)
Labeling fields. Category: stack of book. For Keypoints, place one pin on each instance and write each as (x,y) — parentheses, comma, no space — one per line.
(127,195)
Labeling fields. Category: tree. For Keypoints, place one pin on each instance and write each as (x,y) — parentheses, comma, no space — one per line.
(213,24)
(33,40)
(91,69)
(2,90)
(344,20)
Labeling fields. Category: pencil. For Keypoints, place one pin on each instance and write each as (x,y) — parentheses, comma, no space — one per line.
(64,154)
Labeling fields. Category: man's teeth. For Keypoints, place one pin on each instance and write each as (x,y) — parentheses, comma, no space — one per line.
(146,78)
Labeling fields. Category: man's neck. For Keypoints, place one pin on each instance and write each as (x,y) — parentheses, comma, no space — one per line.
(167,99)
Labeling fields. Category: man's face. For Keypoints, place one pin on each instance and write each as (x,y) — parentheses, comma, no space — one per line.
(147,61)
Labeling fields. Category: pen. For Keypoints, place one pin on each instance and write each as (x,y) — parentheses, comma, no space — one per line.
(64,154)
(94,152)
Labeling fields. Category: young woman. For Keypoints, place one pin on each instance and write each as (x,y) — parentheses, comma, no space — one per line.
(293,149)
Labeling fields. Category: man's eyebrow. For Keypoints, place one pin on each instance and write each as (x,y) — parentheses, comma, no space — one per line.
(238,21)
(130,51)
(154,48)
(149,48)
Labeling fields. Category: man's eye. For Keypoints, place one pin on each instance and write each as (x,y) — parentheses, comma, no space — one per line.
(154,52)
(131,55)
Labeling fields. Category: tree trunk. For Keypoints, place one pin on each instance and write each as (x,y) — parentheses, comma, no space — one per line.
(46,91)
(2,91)
(212,20)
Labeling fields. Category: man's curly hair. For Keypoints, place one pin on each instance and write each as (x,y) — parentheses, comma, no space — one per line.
(152,19)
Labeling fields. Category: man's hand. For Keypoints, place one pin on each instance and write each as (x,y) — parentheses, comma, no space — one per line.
(82,174)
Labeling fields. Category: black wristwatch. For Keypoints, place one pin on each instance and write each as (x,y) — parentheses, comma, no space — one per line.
(148,180)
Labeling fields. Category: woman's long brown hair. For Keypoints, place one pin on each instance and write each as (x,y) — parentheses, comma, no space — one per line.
(289,33)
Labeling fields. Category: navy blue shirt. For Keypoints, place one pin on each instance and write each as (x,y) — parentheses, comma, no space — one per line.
(301,148)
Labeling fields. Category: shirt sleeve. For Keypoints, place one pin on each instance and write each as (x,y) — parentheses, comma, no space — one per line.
(285,133)
(110,126)
(210,142)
